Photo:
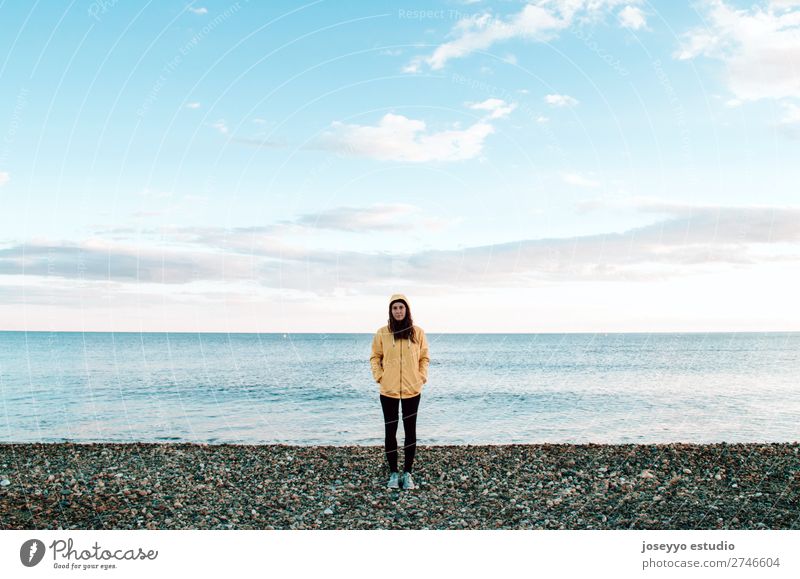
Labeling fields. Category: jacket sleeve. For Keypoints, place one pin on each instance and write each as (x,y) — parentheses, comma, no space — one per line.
(424,357)
(376,360)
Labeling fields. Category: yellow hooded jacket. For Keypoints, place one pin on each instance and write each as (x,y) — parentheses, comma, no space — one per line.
(400,366)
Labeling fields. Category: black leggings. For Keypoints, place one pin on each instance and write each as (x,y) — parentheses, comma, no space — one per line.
(390,408)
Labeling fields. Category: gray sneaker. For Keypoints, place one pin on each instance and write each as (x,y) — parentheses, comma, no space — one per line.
(408,481)
(393,481)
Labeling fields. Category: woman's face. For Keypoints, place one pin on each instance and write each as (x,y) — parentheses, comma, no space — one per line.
(398,310)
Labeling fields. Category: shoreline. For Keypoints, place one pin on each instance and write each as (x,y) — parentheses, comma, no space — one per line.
(503,486)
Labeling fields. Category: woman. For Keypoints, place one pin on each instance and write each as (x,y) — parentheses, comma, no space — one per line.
(400,365)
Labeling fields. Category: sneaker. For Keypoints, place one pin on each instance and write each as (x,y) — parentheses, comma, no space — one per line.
(393,481)
(408,481)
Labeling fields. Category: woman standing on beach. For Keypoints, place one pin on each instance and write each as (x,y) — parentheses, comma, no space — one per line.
(400,365)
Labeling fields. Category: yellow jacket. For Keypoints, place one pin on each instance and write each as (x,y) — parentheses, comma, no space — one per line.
(400,366)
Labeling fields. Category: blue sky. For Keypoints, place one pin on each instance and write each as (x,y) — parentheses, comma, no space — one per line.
(511,166)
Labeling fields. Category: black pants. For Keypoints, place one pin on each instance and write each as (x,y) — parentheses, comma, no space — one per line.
(390,418)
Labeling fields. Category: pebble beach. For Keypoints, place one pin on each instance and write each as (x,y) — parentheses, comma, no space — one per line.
(61,486)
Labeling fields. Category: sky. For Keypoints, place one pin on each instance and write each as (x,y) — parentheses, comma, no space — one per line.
(510,166)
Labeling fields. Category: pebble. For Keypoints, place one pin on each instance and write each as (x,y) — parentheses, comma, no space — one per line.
(518,486)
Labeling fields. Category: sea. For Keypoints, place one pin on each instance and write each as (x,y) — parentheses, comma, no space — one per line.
(317,389)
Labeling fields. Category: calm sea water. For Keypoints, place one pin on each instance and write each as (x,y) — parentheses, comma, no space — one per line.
(318,388)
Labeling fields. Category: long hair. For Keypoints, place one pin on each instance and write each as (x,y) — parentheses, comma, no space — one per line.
(402,329)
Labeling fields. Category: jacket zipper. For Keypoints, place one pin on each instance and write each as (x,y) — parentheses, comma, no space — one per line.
(401,370)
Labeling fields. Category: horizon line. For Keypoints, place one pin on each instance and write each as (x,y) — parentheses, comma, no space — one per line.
(372,332)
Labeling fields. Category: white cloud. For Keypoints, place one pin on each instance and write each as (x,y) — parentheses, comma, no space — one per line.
(784,4)
(560,100)
(510,58)
(221,126)
(381,217)
(538,22)
(479,32)
(497,108)
(216,278)
(412,67)
(4,178)
(100,259)
(192,105)
(633,18)
(684,240)
(579,180)
(199,10)
(213,264)
(398,138)
(759,46)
